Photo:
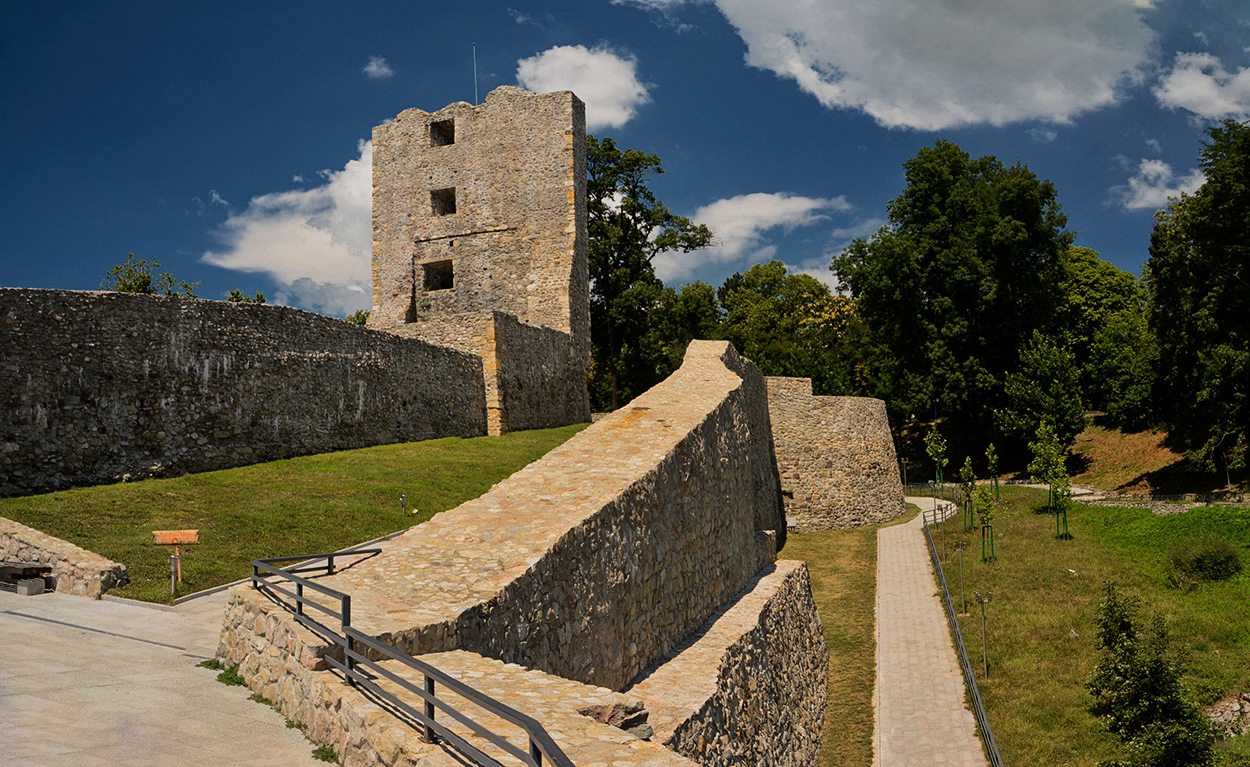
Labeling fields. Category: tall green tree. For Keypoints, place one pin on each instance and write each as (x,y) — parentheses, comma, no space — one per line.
(954,284)
(1199,279)
(791,325)
(628,228)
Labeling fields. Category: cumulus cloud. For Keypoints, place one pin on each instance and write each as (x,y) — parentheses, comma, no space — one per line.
(605,80)
(740,224)
(315,243)
(1199,83)
(947,63)
(377,68)
(1154,183)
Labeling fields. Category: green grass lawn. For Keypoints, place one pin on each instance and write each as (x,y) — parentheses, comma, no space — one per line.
(302,505)
(843,566)
(1046,589)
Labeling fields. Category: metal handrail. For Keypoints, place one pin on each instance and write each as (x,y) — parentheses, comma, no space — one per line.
(978,708)
(540,741)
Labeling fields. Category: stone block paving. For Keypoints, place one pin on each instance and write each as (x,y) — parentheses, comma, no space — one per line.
(921,716)
(86,682)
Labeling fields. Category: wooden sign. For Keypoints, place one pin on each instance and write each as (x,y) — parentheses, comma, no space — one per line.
(176,538)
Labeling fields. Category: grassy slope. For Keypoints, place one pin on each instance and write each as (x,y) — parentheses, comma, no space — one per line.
(296,506)
(1035,695)
(843,566)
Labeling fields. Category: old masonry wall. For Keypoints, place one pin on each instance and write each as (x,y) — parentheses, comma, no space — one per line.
(103,386)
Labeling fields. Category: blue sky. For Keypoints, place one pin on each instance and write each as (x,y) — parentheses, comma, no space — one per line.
(229,140)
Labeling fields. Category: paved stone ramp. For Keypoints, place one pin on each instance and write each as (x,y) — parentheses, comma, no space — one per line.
(86,682)
(921,717)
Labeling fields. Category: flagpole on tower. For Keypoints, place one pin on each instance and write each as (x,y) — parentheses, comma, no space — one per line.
(475,74)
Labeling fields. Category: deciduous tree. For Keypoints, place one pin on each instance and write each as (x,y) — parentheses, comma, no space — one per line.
(1199,279)
(957,280)
(628,228)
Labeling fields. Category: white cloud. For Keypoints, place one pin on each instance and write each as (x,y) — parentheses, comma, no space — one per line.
(1154,183)
(947,63)
(315,243)
(739,224)
(377,68)
(519,17)
(1044,135)
(606,81)
(1199,83)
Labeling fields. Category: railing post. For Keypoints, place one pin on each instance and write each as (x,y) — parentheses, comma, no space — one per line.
(299,599)
(345,607)
(255,577)
(331,560)
(429,709)
(535,753)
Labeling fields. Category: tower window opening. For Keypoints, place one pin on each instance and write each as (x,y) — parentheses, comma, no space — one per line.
(439,275)
(443,201)
(442,132)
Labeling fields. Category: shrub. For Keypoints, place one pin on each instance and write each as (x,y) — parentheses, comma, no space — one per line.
(1137,690)
(1207,557)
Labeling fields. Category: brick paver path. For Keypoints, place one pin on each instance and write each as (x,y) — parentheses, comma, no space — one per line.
(921,718)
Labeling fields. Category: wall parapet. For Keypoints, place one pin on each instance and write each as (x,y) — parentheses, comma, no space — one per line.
(76,571)
(770,688)
(105,386)
(835,456)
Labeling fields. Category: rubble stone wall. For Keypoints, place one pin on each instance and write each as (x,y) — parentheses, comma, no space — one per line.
(75,570)
(516,239)
(101,386)
(770,688)
(835,456)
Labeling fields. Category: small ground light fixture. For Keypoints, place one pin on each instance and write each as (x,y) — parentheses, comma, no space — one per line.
(403,503)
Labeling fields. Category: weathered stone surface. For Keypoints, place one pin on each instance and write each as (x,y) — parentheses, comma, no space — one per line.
(76,570)
(757,673)
(504,275)
(103,386)
(835,456)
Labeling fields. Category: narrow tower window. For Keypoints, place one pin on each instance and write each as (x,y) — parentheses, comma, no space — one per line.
(443,201)
(439,275)
(442,132)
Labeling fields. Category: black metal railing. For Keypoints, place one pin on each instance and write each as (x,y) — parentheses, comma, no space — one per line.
(361,668)
(978,708)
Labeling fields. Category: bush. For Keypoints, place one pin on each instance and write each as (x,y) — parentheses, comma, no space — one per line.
(1137,690)
(1207,557)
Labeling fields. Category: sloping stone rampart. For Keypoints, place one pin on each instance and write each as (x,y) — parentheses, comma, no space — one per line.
(95,386)
(595,560)
(765,705)
(75,570)
(835,456)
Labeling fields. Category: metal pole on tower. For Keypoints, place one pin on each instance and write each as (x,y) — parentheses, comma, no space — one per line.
(475,74)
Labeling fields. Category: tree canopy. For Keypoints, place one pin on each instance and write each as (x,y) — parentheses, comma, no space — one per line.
(1198,275)
(628,228)
(135,275)
(953,285)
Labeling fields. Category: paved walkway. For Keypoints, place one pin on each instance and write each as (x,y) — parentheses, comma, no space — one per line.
(86,682)
(921,719)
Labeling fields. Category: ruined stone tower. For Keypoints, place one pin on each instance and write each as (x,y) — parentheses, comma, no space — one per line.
(479,243)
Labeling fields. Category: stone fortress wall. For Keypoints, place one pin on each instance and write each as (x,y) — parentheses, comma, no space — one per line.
(639,553)
(835,456)
(101,386)
(480,212)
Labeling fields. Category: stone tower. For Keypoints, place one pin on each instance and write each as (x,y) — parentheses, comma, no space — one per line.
(479,243)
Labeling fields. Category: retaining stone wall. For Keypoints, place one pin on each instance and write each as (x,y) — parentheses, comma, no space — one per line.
(101,386)
(76,570)
(766,703)
(835,456)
